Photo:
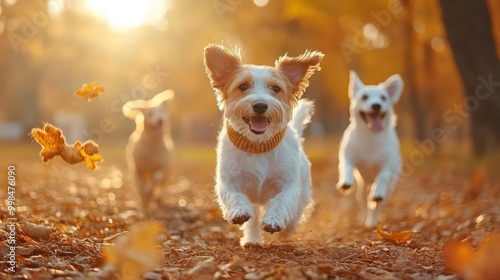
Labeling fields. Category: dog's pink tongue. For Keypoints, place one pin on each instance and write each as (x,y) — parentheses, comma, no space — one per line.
(258,123)
(374,122)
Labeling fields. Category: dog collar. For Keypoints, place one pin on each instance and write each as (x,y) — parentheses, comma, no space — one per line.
(243,143)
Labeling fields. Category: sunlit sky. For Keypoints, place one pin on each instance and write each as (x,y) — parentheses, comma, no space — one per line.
(127,14)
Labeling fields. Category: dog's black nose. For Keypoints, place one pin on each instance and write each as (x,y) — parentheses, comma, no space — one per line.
(259,107)
(376,107)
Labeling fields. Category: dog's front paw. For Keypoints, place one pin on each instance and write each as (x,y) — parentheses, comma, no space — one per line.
(272,228)
(378,195)
(240,219)
(273,221)
(344,187)
(249,243)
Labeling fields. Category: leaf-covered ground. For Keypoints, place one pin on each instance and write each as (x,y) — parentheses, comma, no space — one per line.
(66,215)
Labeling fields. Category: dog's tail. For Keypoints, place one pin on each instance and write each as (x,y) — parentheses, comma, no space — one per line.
(302,115)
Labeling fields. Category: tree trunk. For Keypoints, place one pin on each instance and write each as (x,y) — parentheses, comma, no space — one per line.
(418,111)
(469,32)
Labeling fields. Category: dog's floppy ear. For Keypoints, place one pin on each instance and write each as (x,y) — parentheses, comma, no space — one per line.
(394,86)
(220,66)
(299,69)
(355,84)
(162,98)
(133,108)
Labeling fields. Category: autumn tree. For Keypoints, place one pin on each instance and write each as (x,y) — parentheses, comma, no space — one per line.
(469,31)
(418,110)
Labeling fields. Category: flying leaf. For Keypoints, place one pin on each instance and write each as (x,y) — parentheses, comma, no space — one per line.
(136,252)
(90,91)
(397,236)
(54,143)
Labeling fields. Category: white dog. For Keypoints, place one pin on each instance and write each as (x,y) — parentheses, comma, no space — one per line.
(260,161)
(149,147)
(369,150)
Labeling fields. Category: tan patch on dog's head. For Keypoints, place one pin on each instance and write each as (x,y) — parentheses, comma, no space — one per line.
(224,67)
(299,69)
(221,65)
(258,101)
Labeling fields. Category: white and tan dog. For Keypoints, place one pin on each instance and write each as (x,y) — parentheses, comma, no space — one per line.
(260,161)
(369,150)
(150,146)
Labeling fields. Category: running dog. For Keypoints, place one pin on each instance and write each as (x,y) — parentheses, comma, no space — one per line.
(150,146)
(261,165)
(369,151)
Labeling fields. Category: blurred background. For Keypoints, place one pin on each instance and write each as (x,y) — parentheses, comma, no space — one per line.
(446,51)
(448,122)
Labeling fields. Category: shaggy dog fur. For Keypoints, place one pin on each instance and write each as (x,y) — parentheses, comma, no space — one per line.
(263,179)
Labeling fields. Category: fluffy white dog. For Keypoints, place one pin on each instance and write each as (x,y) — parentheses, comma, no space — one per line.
(260,161)
(369,150)
(150,146)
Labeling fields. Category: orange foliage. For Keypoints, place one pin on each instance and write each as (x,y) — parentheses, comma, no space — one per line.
(397,236)
(90,91)
(136,252)
(460,258)
(53,143)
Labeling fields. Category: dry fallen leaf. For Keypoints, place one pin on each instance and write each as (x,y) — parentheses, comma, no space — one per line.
(136,252)
(54,143)
(37,232)
(460,258)
(90,91)
(397,236)
(204,270)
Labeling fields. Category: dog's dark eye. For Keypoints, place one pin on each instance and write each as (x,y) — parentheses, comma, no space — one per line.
(364,97)
(243,87)
(275,89)
(383,98)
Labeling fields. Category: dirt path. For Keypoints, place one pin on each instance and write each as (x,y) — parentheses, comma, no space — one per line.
(84,210)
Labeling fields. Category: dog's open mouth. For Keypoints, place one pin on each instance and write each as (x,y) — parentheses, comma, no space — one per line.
(373,120)
(257,124)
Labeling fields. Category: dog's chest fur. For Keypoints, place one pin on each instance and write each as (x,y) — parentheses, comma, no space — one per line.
(259,176)
(369,151)
(151,153)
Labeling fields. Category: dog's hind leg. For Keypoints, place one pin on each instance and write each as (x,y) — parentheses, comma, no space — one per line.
(374,201)
(380,191)
(145,189)
(361,196)
(251,229)
(158,180)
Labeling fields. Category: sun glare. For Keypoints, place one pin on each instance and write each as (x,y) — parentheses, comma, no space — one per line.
(126,14)
(260,3)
